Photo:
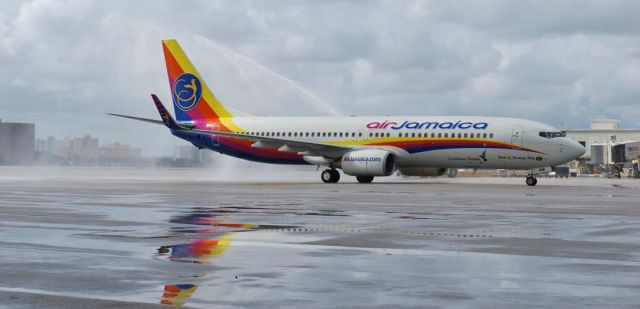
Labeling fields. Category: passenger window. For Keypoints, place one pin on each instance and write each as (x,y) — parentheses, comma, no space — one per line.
(375,135)
(446,135)
(491,135)
(340,134)
(388,134)
(471,135)
(465,135)
(335,134)
(433,135)
(419,134)
(413,135)
(370,134)
(306,134)
(439,134)
(399,134)
(484,135)
(360,134)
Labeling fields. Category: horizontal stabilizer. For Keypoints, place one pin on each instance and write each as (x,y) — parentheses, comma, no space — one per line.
(154,121)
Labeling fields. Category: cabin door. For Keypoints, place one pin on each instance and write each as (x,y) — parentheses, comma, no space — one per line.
(516,137)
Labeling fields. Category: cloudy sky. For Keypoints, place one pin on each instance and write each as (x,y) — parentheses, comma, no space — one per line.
(67,63)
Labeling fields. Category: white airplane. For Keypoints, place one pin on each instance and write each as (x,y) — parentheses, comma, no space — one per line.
(364,147)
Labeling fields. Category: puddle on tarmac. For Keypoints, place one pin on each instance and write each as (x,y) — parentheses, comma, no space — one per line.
(203,221)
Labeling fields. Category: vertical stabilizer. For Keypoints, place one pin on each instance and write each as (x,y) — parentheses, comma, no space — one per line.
(193,101)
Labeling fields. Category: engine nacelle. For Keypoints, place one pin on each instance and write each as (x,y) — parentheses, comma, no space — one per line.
(368,162)
(422,171)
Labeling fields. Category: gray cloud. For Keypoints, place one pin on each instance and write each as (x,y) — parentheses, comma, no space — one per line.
(67,63)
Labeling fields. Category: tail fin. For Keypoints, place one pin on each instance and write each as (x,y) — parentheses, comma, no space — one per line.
(192,99)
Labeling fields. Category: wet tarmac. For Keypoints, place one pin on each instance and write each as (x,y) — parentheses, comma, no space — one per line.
(126,238)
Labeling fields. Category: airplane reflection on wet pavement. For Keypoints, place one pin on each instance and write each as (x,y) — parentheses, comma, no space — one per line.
(208,222)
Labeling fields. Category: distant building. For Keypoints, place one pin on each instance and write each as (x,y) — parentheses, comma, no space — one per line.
(17,142)
(117,151)
(44,145)
(602,131)
(86,150)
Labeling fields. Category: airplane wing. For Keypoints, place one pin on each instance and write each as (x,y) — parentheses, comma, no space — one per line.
(285,145)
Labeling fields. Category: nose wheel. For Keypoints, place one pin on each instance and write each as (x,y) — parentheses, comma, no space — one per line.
(531,180)
(330,176)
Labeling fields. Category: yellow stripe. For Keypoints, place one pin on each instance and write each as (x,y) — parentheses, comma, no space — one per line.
(225,116)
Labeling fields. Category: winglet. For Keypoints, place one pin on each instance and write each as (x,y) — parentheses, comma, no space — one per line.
(167,119)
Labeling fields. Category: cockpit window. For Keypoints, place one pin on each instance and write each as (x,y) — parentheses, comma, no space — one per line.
(553,134)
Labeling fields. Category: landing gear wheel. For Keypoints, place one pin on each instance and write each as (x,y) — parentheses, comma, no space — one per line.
(330,176)
(364,179)
(531,181)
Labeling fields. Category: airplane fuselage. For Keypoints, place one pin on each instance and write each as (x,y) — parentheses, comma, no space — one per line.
(438,141)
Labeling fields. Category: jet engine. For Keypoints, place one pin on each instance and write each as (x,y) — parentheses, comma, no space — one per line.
(368,162)
(422,171)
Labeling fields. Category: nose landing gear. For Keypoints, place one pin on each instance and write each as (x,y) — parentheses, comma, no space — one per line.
(531,180)
(330,176)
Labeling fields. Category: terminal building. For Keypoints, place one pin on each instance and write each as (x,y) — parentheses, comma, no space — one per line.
(17,142)
(602,132)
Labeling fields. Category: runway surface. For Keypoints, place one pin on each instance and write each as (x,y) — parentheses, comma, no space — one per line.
(127,238)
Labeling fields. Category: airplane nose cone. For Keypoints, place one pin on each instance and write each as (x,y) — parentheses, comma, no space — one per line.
(575,149)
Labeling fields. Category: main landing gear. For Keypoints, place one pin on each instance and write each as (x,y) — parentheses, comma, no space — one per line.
(531,180)
(330,176)
(364,179)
